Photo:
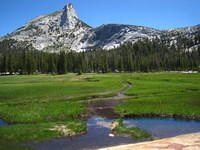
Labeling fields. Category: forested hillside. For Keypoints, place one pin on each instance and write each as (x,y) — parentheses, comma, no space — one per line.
(142,56)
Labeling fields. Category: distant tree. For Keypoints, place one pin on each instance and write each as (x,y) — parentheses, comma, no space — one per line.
(62,64)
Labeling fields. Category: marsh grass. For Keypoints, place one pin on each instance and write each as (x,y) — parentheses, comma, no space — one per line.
(35,103)
(48,86)
(38,131)
(10,146)
(135,132)
(163,93)
(40,112)
(40,102)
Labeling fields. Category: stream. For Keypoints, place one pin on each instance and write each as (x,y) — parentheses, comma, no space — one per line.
(96,137)
(99,134)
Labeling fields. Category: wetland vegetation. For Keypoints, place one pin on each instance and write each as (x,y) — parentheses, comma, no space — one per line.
(42,107)
(135,132)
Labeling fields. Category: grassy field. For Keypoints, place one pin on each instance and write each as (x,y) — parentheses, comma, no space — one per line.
(30,99)
(62,87)
(163,93)
(36,104)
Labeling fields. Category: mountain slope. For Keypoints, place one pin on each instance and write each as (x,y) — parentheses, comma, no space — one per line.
(112,35)
(62,30)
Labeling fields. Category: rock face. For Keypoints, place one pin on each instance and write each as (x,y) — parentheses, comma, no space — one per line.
(113,35)
(62,30)
(56,31)
(182,142)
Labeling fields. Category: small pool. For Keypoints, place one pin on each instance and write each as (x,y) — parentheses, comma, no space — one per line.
(98,133)
(167,127)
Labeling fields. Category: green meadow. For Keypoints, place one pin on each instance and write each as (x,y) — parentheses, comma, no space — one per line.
(37,105)
(163,94)
(34,104)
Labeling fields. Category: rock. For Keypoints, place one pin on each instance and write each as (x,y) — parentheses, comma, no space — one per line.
(114,125)
(63,129)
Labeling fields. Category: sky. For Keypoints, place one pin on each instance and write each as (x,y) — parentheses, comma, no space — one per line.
(159,14)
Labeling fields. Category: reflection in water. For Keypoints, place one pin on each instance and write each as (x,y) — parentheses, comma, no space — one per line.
(96,137)
(98,133)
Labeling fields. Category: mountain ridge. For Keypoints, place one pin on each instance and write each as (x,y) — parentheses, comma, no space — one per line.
(63,30)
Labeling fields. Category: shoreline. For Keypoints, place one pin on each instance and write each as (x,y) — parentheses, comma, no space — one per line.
(162,116)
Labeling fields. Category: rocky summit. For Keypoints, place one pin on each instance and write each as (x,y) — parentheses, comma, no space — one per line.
(63,30)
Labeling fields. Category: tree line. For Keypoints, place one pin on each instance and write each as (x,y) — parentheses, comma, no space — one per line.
(142,56)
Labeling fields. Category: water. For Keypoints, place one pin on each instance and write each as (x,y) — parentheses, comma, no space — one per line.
(163,128)
(96,137)
(98,133)
(2,123)
(101,114)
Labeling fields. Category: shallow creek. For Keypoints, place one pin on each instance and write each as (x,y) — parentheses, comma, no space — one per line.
(99,134)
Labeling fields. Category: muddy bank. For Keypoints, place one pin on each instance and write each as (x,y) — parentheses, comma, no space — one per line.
(154,115)
(104,107)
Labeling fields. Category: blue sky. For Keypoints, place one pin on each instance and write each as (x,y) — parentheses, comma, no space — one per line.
(160,14)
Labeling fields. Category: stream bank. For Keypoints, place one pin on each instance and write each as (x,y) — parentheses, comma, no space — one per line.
(99,134)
